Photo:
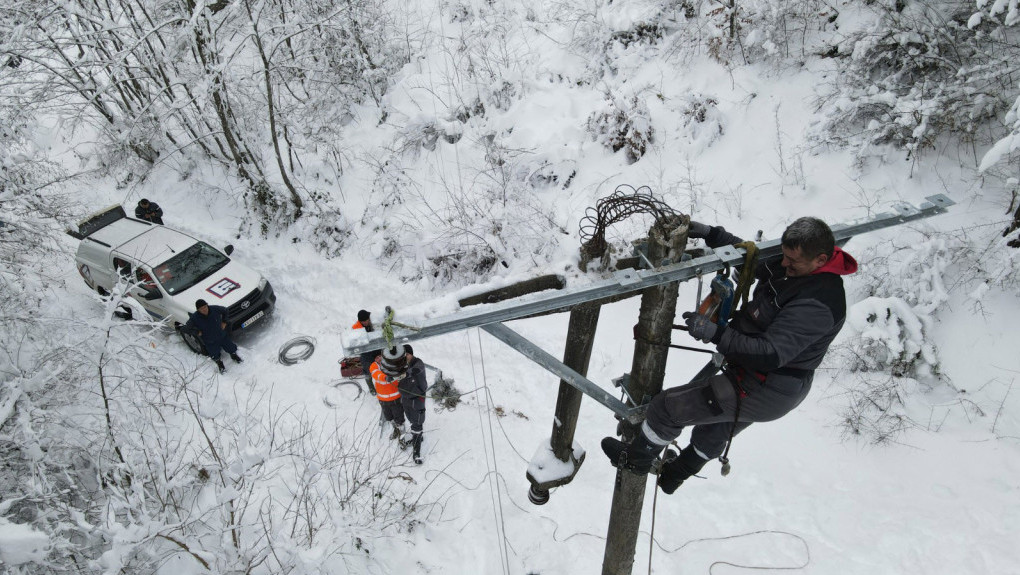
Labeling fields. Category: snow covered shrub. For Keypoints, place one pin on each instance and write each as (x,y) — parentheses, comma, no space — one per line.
(449,268)
(424,132)
(891,337)
(915,75)
(702,120)
(1005,148)
(331,233)
(893,363)
(546,173)
(623,125)
(905,289)
(914,272)
(648,33)
(779,29)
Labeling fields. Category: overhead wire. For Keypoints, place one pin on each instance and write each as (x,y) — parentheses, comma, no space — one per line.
(488,444)
(492,442)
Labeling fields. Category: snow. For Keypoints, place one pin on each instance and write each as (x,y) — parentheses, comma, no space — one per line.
(940,498)
(546,467)
(20,544)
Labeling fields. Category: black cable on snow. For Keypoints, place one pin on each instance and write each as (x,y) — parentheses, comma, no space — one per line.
(305,346)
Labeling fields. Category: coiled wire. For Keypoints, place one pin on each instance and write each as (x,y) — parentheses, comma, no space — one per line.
(306,345)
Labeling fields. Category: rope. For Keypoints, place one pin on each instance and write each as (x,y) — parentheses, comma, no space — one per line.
(747,272)
(388,324)
(305,341)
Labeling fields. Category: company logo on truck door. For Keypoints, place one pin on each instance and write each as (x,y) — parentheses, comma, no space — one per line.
(221,288)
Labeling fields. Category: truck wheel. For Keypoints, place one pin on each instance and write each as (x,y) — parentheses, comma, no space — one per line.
(191,340)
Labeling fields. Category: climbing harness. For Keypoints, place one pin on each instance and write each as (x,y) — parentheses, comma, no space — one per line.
(718,306)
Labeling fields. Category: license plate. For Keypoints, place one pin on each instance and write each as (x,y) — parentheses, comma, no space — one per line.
(253,319)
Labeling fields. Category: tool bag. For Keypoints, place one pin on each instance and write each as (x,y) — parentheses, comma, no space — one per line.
(351,367)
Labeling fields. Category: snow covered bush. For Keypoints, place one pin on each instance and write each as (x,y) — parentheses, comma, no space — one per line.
(891,336)
(917,73)
(905,289)
(773,29)
(623,125)
(889,352)
(702,120)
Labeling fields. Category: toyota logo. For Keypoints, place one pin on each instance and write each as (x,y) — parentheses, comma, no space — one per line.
(246,305)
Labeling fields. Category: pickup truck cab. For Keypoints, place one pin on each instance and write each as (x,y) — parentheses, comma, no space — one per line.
(167,270)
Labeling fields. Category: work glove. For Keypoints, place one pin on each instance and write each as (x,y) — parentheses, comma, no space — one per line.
(698,230)
(699,326)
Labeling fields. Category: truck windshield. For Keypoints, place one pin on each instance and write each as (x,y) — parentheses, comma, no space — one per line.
(189,267)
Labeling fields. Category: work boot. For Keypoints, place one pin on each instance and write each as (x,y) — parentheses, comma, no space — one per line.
(636,456)
(398,430)
(219,364)
(236,358)
(416,443)
(677,468)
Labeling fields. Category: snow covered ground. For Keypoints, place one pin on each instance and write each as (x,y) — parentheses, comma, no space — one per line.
(941,497)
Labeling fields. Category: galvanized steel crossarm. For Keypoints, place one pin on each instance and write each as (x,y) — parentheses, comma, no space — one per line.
(556,367)
(626,281)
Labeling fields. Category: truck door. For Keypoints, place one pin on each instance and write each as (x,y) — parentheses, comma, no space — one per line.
(147,292)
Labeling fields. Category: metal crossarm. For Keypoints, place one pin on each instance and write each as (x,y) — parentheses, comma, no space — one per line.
(626,281)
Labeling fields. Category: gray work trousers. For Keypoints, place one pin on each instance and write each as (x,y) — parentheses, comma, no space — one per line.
(709,404)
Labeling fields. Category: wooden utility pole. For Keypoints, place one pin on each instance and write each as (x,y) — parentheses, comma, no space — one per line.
(584,319)
(667,240)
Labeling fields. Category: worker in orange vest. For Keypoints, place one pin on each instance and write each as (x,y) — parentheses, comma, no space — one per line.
(365,322)
(387,370)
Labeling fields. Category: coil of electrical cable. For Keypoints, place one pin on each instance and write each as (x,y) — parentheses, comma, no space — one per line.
(298,349)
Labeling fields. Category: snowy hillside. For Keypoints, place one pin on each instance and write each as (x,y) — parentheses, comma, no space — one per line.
(456,151)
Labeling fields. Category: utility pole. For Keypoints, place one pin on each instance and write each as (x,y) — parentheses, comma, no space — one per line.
(584,320)
(666,240)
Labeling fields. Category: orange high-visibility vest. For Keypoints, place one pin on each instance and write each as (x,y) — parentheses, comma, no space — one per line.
(385,390)
(357,325)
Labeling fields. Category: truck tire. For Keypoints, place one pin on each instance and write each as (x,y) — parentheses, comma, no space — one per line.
(191,340)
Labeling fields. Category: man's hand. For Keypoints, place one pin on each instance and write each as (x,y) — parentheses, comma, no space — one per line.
(698,230)
(700,327)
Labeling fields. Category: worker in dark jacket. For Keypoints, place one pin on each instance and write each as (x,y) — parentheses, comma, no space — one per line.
(210,321)
(771,348)
(365,322)
(149,211)
(412,397)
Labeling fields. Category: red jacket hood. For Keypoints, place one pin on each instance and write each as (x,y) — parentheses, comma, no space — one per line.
(841,263)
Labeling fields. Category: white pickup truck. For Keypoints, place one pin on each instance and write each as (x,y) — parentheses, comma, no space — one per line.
(168,270)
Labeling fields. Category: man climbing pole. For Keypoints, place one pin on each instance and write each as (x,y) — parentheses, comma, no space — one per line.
(771,349)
